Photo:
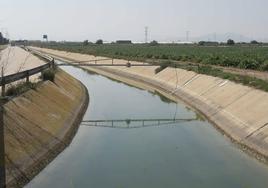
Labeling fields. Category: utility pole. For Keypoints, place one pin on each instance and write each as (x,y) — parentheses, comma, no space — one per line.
(2,145)
(2,148)
(146,34)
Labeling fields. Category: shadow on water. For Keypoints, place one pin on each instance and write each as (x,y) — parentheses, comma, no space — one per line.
(135,123)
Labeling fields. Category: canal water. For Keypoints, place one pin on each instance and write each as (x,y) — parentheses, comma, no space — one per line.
(186,154)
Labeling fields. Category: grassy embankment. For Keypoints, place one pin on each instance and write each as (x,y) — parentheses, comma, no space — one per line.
(203,58)
(22,87)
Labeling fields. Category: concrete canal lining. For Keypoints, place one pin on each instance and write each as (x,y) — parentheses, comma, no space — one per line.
(39,124)
(238,111)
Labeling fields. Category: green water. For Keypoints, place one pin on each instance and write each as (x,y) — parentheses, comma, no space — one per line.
(182,155)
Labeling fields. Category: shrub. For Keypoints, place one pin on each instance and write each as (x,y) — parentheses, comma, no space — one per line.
(201,43)
(149,56)
(48,75)
(156,57)
(254,42)
(164,56)
(99,41)
(249,64)
(264,66)
(20,88)
(154,43)
(85,43)
(230,42)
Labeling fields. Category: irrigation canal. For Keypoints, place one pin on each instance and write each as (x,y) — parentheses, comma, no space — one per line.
(170,154)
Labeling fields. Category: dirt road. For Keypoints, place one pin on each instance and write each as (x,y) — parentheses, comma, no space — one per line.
(15,59)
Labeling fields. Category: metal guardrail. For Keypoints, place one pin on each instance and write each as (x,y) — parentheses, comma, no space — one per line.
(24,74)
(7,80)
(4,80)
(91,63)
(106,65)
(94,63)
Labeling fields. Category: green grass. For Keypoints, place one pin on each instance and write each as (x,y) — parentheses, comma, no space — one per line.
(19,88)
(240,56)
(216,72)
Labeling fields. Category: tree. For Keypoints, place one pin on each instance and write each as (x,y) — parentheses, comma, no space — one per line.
(208,43)
(3,40)
(264,65)
(230,42)
(154,43)
(201,43)
(99,41)
(85,43)
(254,42)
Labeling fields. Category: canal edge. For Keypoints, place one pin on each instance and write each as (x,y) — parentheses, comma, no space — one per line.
(27,174)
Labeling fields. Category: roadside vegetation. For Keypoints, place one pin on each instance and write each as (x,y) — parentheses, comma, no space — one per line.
(244,56)
(216,72)
(22,86)
(48,74)
(199,58)
(19,88)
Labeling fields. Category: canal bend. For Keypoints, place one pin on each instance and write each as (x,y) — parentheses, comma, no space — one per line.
(184,151)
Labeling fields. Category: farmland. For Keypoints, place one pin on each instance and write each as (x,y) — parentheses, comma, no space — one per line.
(253,57)
(209,60)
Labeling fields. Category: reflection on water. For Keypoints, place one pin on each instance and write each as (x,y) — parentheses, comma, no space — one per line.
(187,154)
(135,123)
(162,97)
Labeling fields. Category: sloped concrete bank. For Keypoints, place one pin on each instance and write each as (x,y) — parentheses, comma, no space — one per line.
(238,111)
(41,123)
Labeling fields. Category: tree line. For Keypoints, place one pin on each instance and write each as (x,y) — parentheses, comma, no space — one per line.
(3,40)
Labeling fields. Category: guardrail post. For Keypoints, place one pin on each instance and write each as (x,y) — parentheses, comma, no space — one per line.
(95,61)
(2,141)
(3,83)
(2,149)
(52,64)
(3,90)
(27,77)
(112,61)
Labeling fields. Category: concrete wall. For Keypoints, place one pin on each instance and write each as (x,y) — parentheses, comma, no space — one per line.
(39,124)
(239,111)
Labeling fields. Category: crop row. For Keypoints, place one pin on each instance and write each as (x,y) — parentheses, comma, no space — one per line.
(244,57)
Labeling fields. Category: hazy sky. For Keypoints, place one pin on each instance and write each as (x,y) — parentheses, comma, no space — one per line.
(126,19)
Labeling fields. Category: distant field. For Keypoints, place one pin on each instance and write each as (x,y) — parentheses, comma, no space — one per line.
(244,57)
